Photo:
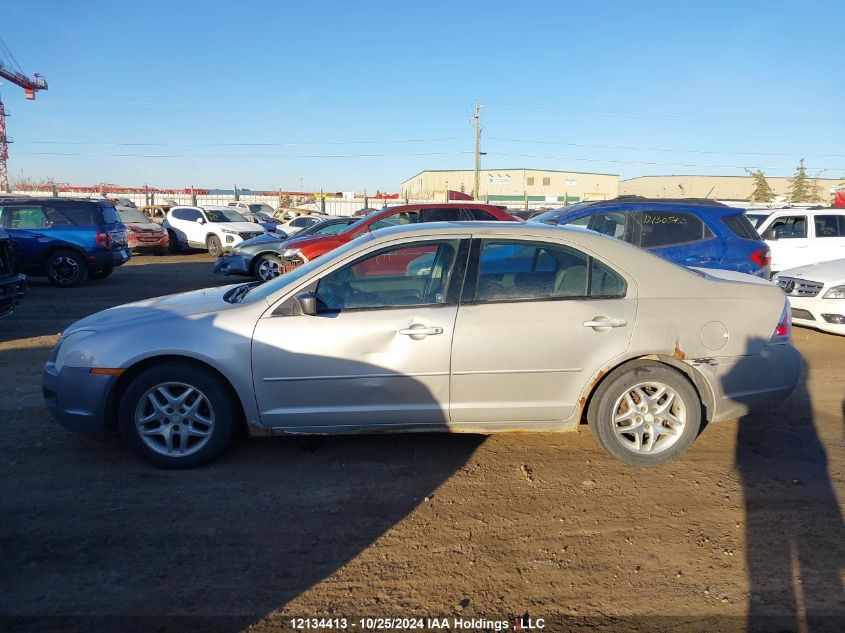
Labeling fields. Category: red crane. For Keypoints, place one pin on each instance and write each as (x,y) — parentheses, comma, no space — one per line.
(11,71)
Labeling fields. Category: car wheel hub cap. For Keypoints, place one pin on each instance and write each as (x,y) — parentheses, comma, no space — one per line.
(649,418)
(65,268)
(174,434)
(268,270)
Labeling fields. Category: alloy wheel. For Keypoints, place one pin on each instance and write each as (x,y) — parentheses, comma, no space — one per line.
(174,419)
(649,418)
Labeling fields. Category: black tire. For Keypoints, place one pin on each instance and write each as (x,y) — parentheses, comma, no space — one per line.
(100,274)
(173,242)
(66,269)
(215,248)
(219,406)
(264,265)
(609,400)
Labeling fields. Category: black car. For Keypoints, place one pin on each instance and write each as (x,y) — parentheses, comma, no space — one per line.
(67,240)
(12,282)
(261,257)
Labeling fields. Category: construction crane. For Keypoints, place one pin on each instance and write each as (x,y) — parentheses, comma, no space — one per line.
(11,71)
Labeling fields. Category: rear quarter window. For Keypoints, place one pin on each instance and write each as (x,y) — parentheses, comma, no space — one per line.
(741,226)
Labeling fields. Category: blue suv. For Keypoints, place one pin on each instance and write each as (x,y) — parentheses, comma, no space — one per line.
(65,239)
(691,232)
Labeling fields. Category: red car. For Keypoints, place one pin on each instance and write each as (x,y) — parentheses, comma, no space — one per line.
(142,234)
(305,249)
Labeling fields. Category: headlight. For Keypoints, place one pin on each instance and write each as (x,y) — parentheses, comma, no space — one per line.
(230,231)
(235,251)
(291,252)
(837,292)
(66,350)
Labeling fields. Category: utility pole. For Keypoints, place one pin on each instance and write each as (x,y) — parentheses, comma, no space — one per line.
(475,190)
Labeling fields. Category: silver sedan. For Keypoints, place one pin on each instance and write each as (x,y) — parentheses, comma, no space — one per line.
(472,328)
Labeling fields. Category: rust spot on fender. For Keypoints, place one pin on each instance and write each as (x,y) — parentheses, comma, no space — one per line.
(678,354)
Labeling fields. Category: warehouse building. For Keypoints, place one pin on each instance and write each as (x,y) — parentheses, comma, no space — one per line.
(513,185)
(718,187)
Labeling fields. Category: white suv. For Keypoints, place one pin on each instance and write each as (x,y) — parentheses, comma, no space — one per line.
(798,237)
(216,229)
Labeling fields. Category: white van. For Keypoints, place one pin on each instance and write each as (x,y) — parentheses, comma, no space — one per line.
(798,237)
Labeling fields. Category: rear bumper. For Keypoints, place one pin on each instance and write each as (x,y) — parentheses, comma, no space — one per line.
(747,384)
(12,290)
(108,259)
(77,399)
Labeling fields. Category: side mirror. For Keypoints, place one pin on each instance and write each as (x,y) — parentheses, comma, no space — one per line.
(200,220)
(306,302)
(770,234)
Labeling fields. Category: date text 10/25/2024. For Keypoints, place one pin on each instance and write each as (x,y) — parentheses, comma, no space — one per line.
(523,623)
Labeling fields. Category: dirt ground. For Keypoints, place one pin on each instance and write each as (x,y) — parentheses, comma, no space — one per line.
(749,521)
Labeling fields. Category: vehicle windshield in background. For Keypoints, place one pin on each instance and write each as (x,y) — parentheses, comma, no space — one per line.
(756,218)
(261,208)
(218,215)
(263,217)
(549,217)
(131,216)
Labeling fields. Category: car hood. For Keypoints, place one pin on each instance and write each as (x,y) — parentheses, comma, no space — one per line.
(158,308)
(240,227)
(826,272)
(144,226)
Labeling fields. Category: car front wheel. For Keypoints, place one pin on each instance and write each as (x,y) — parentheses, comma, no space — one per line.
(267,267)
(177,415)
(645,414)
(215,248)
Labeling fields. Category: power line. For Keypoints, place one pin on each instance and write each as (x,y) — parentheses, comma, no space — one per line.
(250,144)
(235,157)
(664,149)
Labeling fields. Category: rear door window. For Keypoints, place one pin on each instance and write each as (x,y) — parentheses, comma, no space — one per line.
(830,225)
(477,215)
(670,228)
(396,219)
(444,214)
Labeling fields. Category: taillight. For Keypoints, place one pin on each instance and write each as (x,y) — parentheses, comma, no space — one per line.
(103,240)
(784,326)
(762,257)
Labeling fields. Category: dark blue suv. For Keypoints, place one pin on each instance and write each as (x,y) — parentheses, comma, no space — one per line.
(65,239)
(690,232)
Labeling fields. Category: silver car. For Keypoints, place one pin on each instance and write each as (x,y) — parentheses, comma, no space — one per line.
(461,327)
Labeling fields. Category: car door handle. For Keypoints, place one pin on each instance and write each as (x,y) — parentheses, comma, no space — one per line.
(603,322)
(696,259)
(417,331)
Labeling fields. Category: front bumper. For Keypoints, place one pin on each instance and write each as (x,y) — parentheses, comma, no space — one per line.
(746,384)
(147,242)
(12,290)
(817,313)
(233,265)
(78,399)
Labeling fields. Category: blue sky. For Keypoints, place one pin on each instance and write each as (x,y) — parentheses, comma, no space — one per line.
(354,95)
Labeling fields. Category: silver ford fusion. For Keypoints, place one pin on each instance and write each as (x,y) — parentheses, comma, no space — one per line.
(461,327)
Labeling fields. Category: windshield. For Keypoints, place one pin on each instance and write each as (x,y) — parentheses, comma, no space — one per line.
(261,208)
(219,215)
(756,218)
(282,281)
(549,217)
(131,216)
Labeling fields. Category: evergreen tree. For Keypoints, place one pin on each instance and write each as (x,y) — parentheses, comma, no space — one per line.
(762,190)
(800,187)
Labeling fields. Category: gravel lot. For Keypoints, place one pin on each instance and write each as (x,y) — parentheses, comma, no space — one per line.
(413,525)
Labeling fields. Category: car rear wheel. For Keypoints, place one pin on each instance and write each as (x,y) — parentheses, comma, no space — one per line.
(100,274)
(177,415)
(645,414)
(215,248)
(173,242)
(267,267)
(66,269)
